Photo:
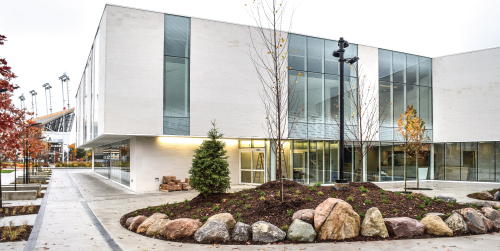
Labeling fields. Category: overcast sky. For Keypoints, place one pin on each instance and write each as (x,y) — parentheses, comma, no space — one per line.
(49,37)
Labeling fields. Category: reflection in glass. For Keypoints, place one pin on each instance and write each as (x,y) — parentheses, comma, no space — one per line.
(486,161)
(399,67)
(385,65)
(113,161)
(372,167)
(297,52)
(386,161)
(439,168)
(469,161)
(177,31)
(453,171)
(300,158)
(315,53)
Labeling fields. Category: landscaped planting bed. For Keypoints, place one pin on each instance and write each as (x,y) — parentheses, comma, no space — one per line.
(15,233)
(20,210)
(485,195)
(264,204)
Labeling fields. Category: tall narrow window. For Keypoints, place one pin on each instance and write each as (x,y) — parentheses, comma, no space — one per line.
(176,76)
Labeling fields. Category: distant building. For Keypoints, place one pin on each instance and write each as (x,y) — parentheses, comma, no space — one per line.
(58,134)
(153,82)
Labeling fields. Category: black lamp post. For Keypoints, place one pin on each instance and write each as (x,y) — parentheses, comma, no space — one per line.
(340,54)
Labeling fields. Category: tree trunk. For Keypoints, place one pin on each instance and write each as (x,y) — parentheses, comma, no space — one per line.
(418,177)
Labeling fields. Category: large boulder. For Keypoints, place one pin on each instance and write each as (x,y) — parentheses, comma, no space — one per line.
(334,219)
(212,231)
(266,232)
(157,227)
(476,222)
(226,217)
(241,232)
(485,195)
(492,215)
(373,224)
(181,228)
(446,198)
(496,196)
(301,231)
(441,215)
(456,223)
(436,226)
(129,221)
(404,226)
(149,221)
(137,222)
(306,215)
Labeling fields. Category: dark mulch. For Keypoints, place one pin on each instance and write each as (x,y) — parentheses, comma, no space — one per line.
(23,236)
(40,195)
(474,195)
(272,210)
(19,211)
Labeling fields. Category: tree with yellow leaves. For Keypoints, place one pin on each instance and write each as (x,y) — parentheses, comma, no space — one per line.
(412,130)
(268,52)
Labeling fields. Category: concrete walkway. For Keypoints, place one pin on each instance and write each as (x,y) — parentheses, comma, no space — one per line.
(68,226)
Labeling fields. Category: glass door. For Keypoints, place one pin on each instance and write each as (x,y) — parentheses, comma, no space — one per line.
(252,167)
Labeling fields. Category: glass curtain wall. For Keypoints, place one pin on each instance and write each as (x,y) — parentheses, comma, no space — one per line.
(314,80)
(113,161)
(176,75)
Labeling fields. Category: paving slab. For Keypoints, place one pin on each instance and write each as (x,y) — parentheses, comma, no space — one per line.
(18,245)
(18,220)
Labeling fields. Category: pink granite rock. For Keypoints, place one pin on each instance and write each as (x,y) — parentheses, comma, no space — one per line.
(492,215)
(136,222)
(181,228)
(485,195)
(404,226)
(476,221)
(306,215)
(334,219)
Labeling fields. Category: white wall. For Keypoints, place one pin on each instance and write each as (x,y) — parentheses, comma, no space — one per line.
(155,157)
(368,70)
(133,91)
(224,84)
(466,91)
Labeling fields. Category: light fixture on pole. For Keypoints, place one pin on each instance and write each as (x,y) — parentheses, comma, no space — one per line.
(340,54)
(64,78)
(48,87)
(22,98)
(33,105)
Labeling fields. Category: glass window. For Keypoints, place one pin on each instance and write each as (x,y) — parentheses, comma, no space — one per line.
(385,65)
(177,31)
(497,161)
(399,107)
(386,160)
(315,52)
(385,106)
(425,66)
(315,97)
(300,160)
(373,164)
(297,110)
(411,69)
(331,62)
(96,70)
(176,89)
(425,106)
(113,161)
(486,161)
(453,171)
(399,163)
(297,52)
(331,161)
(351,52)
(245,143)
(439,167)
(469,161)
(399,67)
(350,94)
(412,97)
(331,98)
(424,163)
(315,162)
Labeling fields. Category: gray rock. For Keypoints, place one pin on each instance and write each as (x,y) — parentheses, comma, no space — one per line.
(492,215)
(242,232)
(484,195)
(404,227)
(301,231)
(476,222)
(446,198)
(485,204)
(441,215)
(373,224)
(212,231)
(266,232)
(306,215)
(456,223)
(496,196)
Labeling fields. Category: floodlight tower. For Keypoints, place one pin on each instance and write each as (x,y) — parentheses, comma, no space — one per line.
(22,100)
(65,78)
(48,87)
(33,105)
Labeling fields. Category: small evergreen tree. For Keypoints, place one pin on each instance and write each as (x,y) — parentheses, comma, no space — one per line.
(209,172)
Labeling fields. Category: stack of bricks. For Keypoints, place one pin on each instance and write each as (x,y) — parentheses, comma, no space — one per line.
(170,183)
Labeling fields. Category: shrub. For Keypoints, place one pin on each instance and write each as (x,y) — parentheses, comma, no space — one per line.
(384,197)
(158,209)
(421,206)
(238,215)
(229,210)
(427,201)
(244,195)
(284,228)
(448,215)
(438,200)
(247,206)
(167,212)
(473,204)
(418,217)
(368,202)
(394,211)
(209,172)
(383,215)
(398,193)
(382,191)
(240,202)
(216,208)
(262,193)
(309,199)
(291,188)
(312,188)
(194,216)
(134,214)
(320,193)
(451,205)
(205,218)
(249,197)
(355,207)
(188,207)
(175,204)
(262,198)
(454,202)
(297,192)
(241,220)
(424,213)
(208,204)
(385,201)
(289,212)
(496,208)
(317,184)
(231,202)
(150,208)
(350,199)
(332,195)
(363,189)
(408,196)
(362,215)
(198,210)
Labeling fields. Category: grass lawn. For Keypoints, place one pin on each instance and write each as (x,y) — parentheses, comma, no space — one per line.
(7,171)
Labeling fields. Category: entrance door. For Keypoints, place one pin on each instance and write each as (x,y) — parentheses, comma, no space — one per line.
(252,166)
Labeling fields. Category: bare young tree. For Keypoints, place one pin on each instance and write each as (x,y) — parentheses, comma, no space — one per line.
(268,52)
(363,115)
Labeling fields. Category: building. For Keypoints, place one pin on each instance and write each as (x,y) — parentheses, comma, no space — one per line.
(153,83)
(59,133)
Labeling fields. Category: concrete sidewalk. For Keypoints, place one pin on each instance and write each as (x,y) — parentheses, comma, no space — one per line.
(67,226)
